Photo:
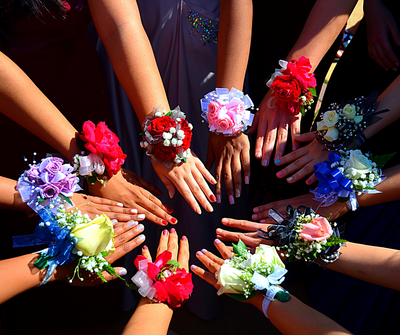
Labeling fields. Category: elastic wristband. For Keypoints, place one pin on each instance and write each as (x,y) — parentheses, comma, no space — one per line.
(272,293)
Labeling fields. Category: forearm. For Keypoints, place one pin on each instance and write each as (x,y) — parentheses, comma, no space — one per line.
(324,24)
(119,26)
(149,318)
(23,102)
(10,197)
(376,265)
(234,38)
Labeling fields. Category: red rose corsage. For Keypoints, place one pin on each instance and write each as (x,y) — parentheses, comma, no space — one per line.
(167,136)
(293,86)
(102,156)
(163,281)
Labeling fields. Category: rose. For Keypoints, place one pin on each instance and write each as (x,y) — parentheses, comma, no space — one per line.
(301,70)
(330,118)
(332,134)
(33,173)
(269,255)
(159,125)
(50,190)
(69,185)
(51,165)
(213,109)
(287,91)
(349,111)
(95,236)
(165,153)
(228,278)
(184,125)
(99,138)
(358,119)
(319,229)
(321,125)
(357,164)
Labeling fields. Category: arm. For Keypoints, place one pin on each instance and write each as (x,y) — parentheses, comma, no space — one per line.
(10,197)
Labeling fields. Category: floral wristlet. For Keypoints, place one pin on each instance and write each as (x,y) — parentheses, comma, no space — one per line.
(163,281)
(167,136)
(102,157)
(226,111)
(293,86)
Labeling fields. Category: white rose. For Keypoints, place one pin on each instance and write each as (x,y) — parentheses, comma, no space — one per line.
(358,119)
(330,118)
(332,134)
(321,125)
(358,164)
(228,279)
(269,255)
(349,111)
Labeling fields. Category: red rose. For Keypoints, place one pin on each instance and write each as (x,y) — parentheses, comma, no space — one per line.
(184,125)
(113,162)
(301,70)
(160,125)
(287,91)
(165,153)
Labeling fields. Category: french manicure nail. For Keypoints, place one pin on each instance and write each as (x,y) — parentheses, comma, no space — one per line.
(237,193)
(213,198)
(247,180)
(142,237)
(184,238)
(265,162)
(277,161)
(217,240)
(172,231)
(218,198)
(134,211)
(163,222)
(120,205)
(122,272)
(173,220)
(132,223)
(231,200)
(141,216)
(203,251)
(193,266)
(140,227)
(165,232)
(199,253)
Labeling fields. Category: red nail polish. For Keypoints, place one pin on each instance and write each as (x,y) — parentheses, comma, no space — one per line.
(173,220)
(172,231)
(165,232)
(213,198)
(279,174)
(144,247)
(184,238)
(164,222)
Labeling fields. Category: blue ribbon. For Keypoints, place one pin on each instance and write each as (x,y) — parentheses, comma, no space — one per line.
(330,178)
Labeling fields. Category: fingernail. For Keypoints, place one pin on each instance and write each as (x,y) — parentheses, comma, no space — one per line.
(296,135)
(184,238)
(279,174)
(114,221)
(169,209)
(120,205)
(193,266)
(199,253)
(231,200)
(290,179)
(237,193)
(217,240)
(277,161)
(171,193)
(258,154)
(210,209)
(132,223)
(140,227)
(198,210)
(247,180)
(163,222)
(145,247)
(218,198)
(213,198)
(256,210)
(141,216)
(263,221)
(173,220)
(295,148)
(254,216)
(134,211)
(265,162)
(165,232)
(172,231)
(122,272)
(203,251)
(219,230)
(142,237)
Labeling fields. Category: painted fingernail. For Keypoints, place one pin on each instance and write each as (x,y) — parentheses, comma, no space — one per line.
(263,221)
(256,209)
(193,267)
(203,251)
(134,211)
(218,198)
(172,231)
(277,161)
(199,253)
(184,238)
(295,148)
(219,230)
(213,198)
(145,247)
(114,221)
(296,135)
(290,179)
(254,216)
(163,222)
(140,227)
(279,174)
(265,162)
(237,193)
(141,216)
(171,193)
(120,205)
(122,272)
(173,220)
(132,223)
(231,200)
(165,232)
(247,180)
(217,240)
(141,237)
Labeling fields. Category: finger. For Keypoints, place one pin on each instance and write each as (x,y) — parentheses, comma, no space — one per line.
(168,184)
(311,180)
(123,249)
(237,174)
(119,270)
(155,206)
(208,262)
(213,257)
(183,255)
(302,173)
(146,253)
(240,224)
(205,189)
(295,130)
(133,178)
(294,167)
(172,246)
(150,187)
(227,175)
(261,132)
(197,191)
(206,174)
(254,125)
(250,239)
(127,232)
(100,200)
(223,249)
(292,156)
(163,244)
(156,219)
(269,142)
(218,177)
(207,276)
(245,156)
(187,194)
(306,137)
(281,140)
(210,158)
(381,48)
(261,212)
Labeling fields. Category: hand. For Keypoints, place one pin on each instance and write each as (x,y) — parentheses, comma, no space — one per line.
(229,154)
(303,160)
(127,188)
(95,206)
(270,123)
(332,212)
(126,240)
(188,178)
(250,239)
(380,25)
(169,241)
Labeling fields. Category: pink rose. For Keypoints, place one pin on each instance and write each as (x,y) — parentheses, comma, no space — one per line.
(318,229)
(225,123)
(213,110)
(238,109)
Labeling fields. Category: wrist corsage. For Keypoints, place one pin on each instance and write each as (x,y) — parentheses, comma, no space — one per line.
(167,136)
(293,86)
(244,274)
(102,156)
(163,281)
(71,237)
(342,125)
(49,183)
(348,174)
(304,235)
(226,111)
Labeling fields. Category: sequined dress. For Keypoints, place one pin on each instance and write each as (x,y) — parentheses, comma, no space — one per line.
(183,35)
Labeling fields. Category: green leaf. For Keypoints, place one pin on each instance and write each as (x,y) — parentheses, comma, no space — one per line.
(41,200)
(169,113)
(101,276)
(66,199)
(382,159)
(142,133)
(313,91)
(240,249)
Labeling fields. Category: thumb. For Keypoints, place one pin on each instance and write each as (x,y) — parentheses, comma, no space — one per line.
(118,270)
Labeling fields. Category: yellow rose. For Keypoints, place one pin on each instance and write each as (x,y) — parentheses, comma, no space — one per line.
(349,111)
(269,255)
(229,279)
(330,118)
(95,236)
(332,134)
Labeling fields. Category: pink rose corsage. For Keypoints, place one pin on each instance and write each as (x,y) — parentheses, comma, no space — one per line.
(226,111)
(167,136)
(163,281)
(102,156)
(293,86)
(303,234)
